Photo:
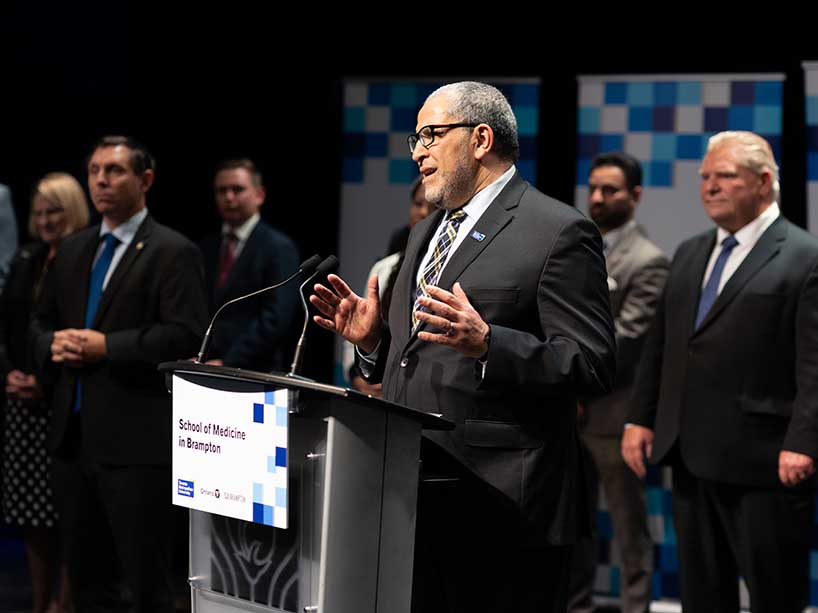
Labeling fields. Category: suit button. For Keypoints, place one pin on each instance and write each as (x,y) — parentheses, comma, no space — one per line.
(404,362)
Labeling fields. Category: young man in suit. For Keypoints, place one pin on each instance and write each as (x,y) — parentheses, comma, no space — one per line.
(637,270)
(727,391)
(246,256)
(499,319)
(123,296)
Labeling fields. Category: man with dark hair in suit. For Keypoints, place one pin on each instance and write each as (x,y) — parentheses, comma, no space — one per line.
(499,319)
(122,297)
(727,390)
(637,270)
(246,256)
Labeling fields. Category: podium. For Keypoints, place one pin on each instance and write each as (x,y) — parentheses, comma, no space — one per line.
(352,477)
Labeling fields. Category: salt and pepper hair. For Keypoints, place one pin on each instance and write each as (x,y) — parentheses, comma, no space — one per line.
(473,102)
(754,154)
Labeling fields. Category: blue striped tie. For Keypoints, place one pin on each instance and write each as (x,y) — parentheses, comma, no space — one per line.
(94,294)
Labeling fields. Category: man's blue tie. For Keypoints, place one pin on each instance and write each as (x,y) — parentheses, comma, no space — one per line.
(711,288)
(94,294)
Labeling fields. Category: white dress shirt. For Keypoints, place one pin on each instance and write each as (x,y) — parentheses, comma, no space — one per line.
(747,238)
(474,209)
(125,233)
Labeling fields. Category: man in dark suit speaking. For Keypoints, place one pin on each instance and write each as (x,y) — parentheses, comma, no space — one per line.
(499,319)
(122,297)
(727,391)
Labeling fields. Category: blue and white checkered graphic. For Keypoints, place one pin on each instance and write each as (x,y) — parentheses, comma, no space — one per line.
(270,477)
(379,115)
(662,121)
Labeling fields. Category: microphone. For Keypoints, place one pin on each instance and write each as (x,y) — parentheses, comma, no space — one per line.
(307,267)
(324,268)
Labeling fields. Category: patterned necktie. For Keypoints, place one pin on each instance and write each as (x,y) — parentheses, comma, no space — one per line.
(227,257)
(711,288)
(95,284)
(431,274)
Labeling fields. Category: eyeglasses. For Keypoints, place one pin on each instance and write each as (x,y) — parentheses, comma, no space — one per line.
(426,135)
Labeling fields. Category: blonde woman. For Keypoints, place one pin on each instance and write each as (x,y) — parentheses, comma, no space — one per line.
(58,208)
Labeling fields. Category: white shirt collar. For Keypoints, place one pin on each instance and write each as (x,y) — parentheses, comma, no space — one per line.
(478,204)
(127,229)
(750,233)
(244,230)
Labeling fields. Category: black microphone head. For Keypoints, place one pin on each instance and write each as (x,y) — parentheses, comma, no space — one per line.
(329,265)
(309,265)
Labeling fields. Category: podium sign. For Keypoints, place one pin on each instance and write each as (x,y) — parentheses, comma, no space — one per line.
(230,451)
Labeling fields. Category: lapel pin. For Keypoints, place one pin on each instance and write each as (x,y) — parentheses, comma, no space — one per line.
(478,236)
(139,246)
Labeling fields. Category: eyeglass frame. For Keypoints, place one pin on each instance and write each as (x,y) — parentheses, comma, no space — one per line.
(432,127)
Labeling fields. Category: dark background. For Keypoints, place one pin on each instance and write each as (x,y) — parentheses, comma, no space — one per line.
(197,85)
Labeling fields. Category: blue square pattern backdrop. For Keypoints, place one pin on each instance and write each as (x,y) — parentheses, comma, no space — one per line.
(379,115)
(660,122)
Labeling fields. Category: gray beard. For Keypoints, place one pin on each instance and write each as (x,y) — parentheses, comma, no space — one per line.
(454,192)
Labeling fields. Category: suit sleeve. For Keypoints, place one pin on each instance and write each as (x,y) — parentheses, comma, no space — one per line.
(576,353)
(180,314)
(802,433)
(636,313)
(645,396)
(276,316)
(42,326)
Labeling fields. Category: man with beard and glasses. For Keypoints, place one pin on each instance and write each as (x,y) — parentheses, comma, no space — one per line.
(499,320)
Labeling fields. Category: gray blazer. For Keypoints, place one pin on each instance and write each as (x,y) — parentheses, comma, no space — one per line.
(637,271)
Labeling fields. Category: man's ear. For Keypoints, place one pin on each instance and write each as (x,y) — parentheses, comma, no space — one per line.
(484,140)
(147,180)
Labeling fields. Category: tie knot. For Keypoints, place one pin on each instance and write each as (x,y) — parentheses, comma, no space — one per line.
(728,243)
(230,237)
(110,241)
(455,217)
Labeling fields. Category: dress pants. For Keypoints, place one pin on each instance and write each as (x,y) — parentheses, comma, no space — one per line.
(470,555)
(117,531)
(627,506)
(725,530)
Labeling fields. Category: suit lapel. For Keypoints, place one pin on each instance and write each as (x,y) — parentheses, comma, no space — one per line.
(130,256)
(618,254)
(403,297)
(764,250)
(691,290)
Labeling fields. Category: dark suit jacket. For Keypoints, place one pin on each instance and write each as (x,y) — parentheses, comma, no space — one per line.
(538,278)
(744,386)
(256,333)
(152,310)
(637,270)
(16,305)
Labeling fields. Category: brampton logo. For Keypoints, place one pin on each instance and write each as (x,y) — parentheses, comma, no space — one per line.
(184,488)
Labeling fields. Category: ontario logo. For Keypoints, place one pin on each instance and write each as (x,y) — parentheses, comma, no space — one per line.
(184,488)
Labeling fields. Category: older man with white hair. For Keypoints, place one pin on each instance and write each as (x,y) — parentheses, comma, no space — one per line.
(727,392)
